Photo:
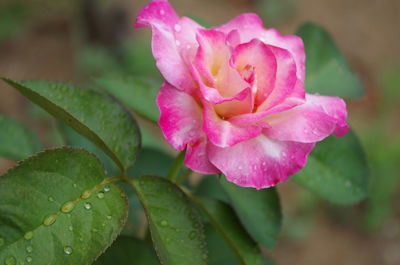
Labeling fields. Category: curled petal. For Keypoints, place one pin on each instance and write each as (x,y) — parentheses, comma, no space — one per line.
(261,59)
(161,18)
(260,162)
(250,26)
(310,122)
(185,31)
(223,133)
(287,87)
(196,157)
(180,116)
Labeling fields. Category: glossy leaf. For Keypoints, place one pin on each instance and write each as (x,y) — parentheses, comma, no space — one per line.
(328,72)
(224,220)
(16,140)
(135,92)
(92,114)
(128,251)
(220,253)
(58,207)
(258,210)
(210,187)
(336,170)
(174,222)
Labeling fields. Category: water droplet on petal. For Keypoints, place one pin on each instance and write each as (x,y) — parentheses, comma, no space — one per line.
(177,42)
(162,12)
(29,249)
(10,261)
(87,205)
(177,27)
(68,250)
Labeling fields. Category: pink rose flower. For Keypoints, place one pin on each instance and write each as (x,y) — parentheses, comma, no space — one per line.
(234,97)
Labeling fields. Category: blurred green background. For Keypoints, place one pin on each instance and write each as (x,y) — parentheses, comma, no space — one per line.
(76,40)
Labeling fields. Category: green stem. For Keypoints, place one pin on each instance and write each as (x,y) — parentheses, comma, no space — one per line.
(184,176)
(176,167)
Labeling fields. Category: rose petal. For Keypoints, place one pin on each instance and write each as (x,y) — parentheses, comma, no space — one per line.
(185,38)
(260,162)
(310,122)
(161,17)
(250,26)
(218,80)
(223,133)
(196,157)
(180,116)
(258,56)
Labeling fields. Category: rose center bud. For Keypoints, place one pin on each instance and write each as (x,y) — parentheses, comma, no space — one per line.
(248,74)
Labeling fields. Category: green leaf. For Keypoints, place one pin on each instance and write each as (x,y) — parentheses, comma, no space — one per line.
(135,92)
(174,222)
(328,72)
(16,140)
(336,170)
(259,211)
(58,207)
(74,139)
(211,187)
(128,251)
(151,162)
(224,220)
(220,253)
(92,114)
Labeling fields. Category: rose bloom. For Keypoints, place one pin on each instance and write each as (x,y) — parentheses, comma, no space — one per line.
(234,97)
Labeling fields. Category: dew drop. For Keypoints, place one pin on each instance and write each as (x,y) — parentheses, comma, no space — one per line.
(68,250)
(305,131)
(107,188)
(28,259)
(109,217)
(74,185)
(240,167)
(67,207)
(177,27)
(10,261)
(86,194)
(1,242)
(87,205)
(164,223)
(49,220)
(70,228)
(348,183)
(28,235)
(50,199)
(29,249)
(100,195)
(162,12)
(177,42)
(192,235)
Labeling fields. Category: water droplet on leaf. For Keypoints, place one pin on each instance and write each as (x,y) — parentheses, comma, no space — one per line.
(67,207)
(164,223)
(10,261)
(29,249)
(100,195)
(28,235)
(87,205)
(107,188)
(68,250)
(29,259)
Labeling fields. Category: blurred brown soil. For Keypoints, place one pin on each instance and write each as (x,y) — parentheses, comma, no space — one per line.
(366,30)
